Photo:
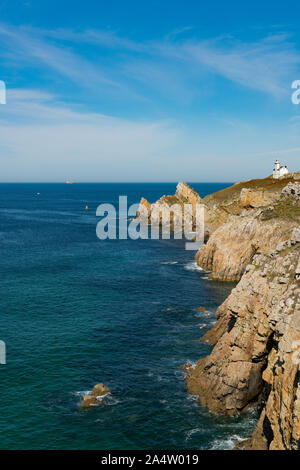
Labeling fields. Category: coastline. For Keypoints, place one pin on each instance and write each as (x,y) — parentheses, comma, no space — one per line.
(257,243)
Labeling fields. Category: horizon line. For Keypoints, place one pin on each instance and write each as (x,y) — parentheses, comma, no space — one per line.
(111,182)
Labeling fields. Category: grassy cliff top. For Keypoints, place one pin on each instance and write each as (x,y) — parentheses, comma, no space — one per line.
(233,192)
(286,209)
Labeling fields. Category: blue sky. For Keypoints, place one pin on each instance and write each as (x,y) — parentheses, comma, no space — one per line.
(148,91)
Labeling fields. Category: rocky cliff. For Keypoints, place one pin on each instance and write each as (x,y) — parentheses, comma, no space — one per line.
(255,357)
(257,229)
(253,232)
(256,338)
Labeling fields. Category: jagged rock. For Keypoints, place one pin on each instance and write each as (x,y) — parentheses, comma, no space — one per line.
(173,208)
(144,209)
(187,194)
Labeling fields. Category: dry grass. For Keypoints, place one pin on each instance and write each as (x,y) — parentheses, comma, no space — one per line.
(233,192)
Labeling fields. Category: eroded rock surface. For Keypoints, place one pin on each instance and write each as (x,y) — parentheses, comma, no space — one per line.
(292,189)
(256,198)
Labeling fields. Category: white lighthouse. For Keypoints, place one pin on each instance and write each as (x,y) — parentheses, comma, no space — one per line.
(279,170)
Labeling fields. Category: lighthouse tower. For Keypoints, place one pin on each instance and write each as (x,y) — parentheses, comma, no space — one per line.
(279,170)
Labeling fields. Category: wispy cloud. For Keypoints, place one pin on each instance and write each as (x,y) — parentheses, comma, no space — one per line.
(28,46)
(279,152)
(73,138)
(262,66)
(266,65)
(35,106)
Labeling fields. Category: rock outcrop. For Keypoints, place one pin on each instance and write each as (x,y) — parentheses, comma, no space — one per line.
(177,208)
(256,355)
(98,391)
(256,198)
(292,189)
(186,194)
(144,209)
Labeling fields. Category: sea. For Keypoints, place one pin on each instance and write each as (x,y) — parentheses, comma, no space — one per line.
(76,311)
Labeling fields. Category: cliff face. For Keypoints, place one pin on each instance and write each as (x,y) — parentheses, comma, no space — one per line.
(255,356)
(233,244)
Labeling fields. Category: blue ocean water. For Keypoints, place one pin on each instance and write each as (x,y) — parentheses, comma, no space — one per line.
(76,311)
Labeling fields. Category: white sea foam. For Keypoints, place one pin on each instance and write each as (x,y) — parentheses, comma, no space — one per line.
(169,262)
(111,400)
(193,266)
(192,398)
(102,397)
(191,432)
(192,364)
(83,393)
(108,398)
(227,443)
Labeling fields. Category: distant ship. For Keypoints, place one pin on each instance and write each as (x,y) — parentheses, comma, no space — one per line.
(69,182)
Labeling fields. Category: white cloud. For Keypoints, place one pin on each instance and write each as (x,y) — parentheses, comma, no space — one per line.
(48,141)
